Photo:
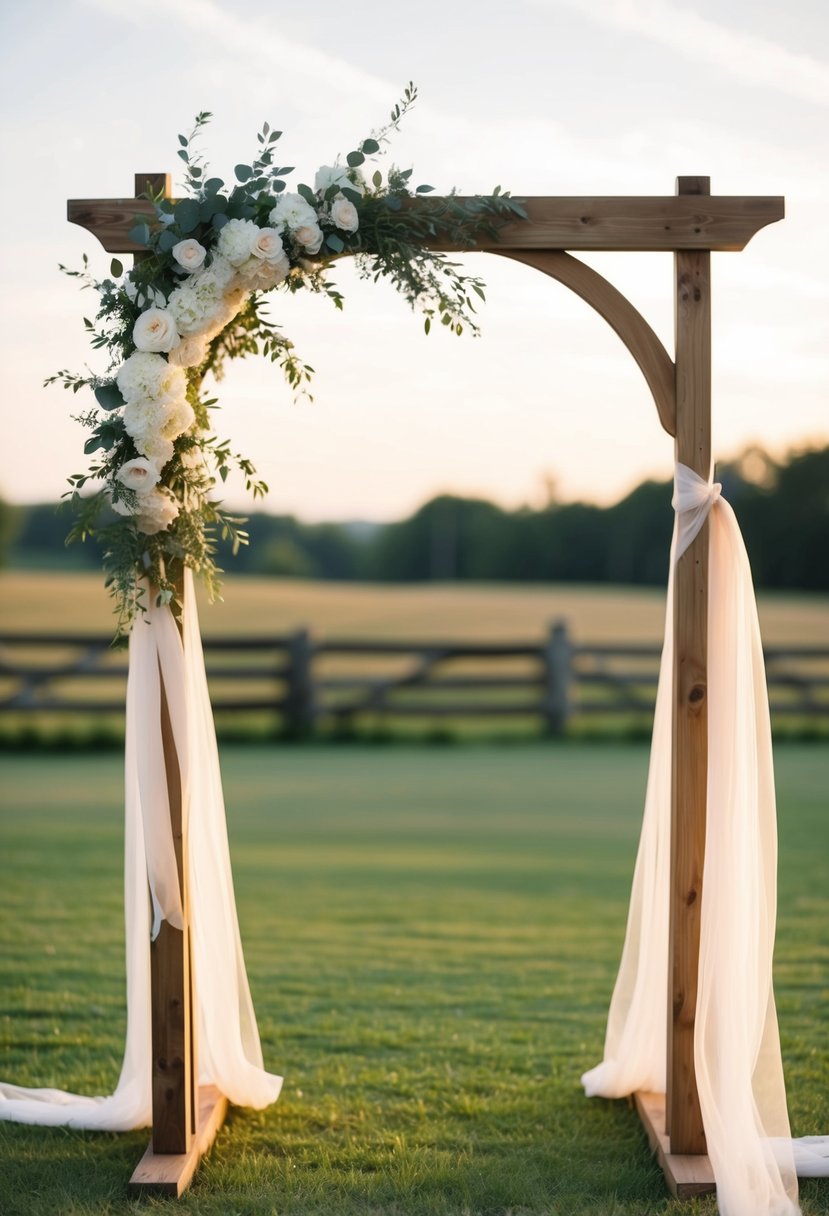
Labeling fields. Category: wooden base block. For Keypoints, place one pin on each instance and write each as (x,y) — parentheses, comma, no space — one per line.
(170,1173)
(686,1175)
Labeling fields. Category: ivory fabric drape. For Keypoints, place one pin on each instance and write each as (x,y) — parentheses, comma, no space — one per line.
(230,1054)
(736,1048)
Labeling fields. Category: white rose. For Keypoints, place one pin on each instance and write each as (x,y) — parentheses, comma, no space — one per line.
(336,175)
(236,240)
(292,212)
(262,276)
(146,376)
(158,510)
(268,245)
(190,352)
(309,236)
(139,475)
(189,254)
(155,330)
(344,215)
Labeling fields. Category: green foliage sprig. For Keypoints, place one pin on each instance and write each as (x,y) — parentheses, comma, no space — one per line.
(194,299)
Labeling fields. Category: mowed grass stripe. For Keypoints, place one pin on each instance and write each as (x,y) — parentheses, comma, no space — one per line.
(431,937)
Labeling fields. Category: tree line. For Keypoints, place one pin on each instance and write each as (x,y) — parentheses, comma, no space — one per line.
(783,509)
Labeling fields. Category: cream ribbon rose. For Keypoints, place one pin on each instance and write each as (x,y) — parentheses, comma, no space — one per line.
(155,331)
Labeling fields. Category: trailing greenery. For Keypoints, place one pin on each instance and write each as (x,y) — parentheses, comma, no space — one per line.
(194,299)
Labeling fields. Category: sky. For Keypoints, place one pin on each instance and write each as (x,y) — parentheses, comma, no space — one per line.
(548,97)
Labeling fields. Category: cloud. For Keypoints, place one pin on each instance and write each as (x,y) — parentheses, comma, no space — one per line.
(745,56)
(257,38)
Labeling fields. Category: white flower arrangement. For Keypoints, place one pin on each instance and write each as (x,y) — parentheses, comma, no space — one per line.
(193,301)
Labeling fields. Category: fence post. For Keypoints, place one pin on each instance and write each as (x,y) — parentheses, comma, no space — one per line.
(300,710)
(558,677)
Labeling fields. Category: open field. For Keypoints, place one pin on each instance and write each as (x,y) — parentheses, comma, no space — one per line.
(34,601)
(431,937)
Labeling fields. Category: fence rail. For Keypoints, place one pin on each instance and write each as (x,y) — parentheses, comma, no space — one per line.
(305,682)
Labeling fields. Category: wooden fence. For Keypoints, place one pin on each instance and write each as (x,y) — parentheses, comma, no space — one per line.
(304,683)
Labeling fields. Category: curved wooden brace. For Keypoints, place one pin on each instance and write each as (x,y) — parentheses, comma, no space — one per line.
(654,361)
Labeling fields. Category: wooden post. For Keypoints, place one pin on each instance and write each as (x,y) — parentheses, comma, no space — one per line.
(558,678)
(174,1071)
(690,700)
(301,711)
(173,1068)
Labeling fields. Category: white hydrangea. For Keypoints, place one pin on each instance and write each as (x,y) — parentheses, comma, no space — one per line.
(179,419)
(188,309)
(292,212)
(158,510)
(236,240)
(143,418)
(148,377)
(156,447)
(214,280)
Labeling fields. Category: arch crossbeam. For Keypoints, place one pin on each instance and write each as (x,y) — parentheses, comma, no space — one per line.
(718,223)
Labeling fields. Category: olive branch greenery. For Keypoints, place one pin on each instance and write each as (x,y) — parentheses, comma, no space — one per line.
(397,226)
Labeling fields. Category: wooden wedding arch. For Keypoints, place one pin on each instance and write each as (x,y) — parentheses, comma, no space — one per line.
(690,224)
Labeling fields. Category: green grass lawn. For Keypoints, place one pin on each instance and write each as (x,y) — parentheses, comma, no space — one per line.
(431,937)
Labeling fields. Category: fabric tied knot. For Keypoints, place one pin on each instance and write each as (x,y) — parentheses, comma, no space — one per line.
(692,500)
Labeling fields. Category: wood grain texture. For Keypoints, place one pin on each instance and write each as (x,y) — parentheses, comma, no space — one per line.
(725,223)
(173,1084)
(686,1175)
(690,699)
(171,1173)
(654,361)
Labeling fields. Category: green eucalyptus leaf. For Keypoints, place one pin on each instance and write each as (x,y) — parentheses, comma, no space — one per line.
(424,189)
(213,185)
(211,206)
(219,220)
(167,240)
(370,146)
(109,397)
(307,193)
(353,196)
(116,268)
(187,214)
(183,140)
(184,155)
(243,173)
(377,179)
(334,242)
(139,234)
(354,159)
